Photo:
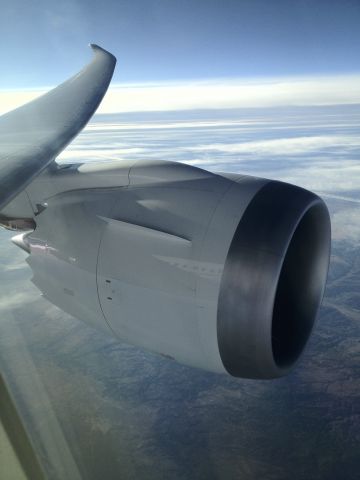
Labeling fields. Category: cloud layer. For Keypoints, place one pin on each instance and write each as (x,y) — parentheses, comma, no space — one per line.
(217,93)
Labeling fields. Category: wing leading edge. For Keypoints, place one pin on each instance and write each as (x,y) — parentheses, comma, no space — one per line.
(33,135)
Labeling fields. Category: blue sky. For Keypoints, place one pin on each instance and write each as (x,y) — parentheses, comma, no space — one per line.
(44,41)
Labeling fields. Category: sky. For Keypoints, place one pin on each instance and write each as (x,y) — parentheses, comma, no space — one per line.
(178,55)
(44,41)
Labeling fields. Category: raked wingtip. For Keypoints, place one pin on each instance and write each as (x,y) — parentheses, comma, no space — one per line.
(97,49)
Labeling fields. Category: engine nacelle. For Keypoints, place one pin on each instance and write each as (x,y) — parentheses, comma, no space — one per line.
(221,272)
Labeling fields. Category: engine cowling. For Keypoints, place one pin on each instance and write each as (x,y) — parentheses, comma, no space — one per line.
(224,273)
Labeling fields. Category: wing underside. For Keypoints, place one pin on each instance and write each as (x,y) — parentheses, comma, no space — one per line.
(33,135)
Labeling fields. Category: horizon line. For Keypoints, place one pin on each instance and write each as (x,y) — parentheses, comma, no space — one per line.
(216,93)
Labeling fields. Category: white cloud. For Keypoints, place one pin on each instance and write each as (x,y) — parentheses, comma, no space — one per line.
(10,99)
(234,93)
(283,146)
(346,225)
(111,127)
(341,197)
(17,300)
(97,154)
(319,178)
(221,93)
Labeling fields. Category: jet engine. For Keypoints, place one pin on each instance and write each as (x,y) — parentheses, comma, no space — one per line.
(224,273)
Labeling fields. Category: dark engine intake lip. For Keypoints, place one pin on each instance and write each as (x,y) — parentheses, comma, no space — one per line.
(273,281)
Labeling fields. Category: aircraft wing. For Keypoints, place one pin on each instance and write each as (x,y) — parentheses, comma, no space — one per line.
(33,135)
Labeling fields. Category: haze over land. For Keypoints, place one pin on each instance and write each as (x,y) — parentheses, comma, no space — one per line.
(119,412)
